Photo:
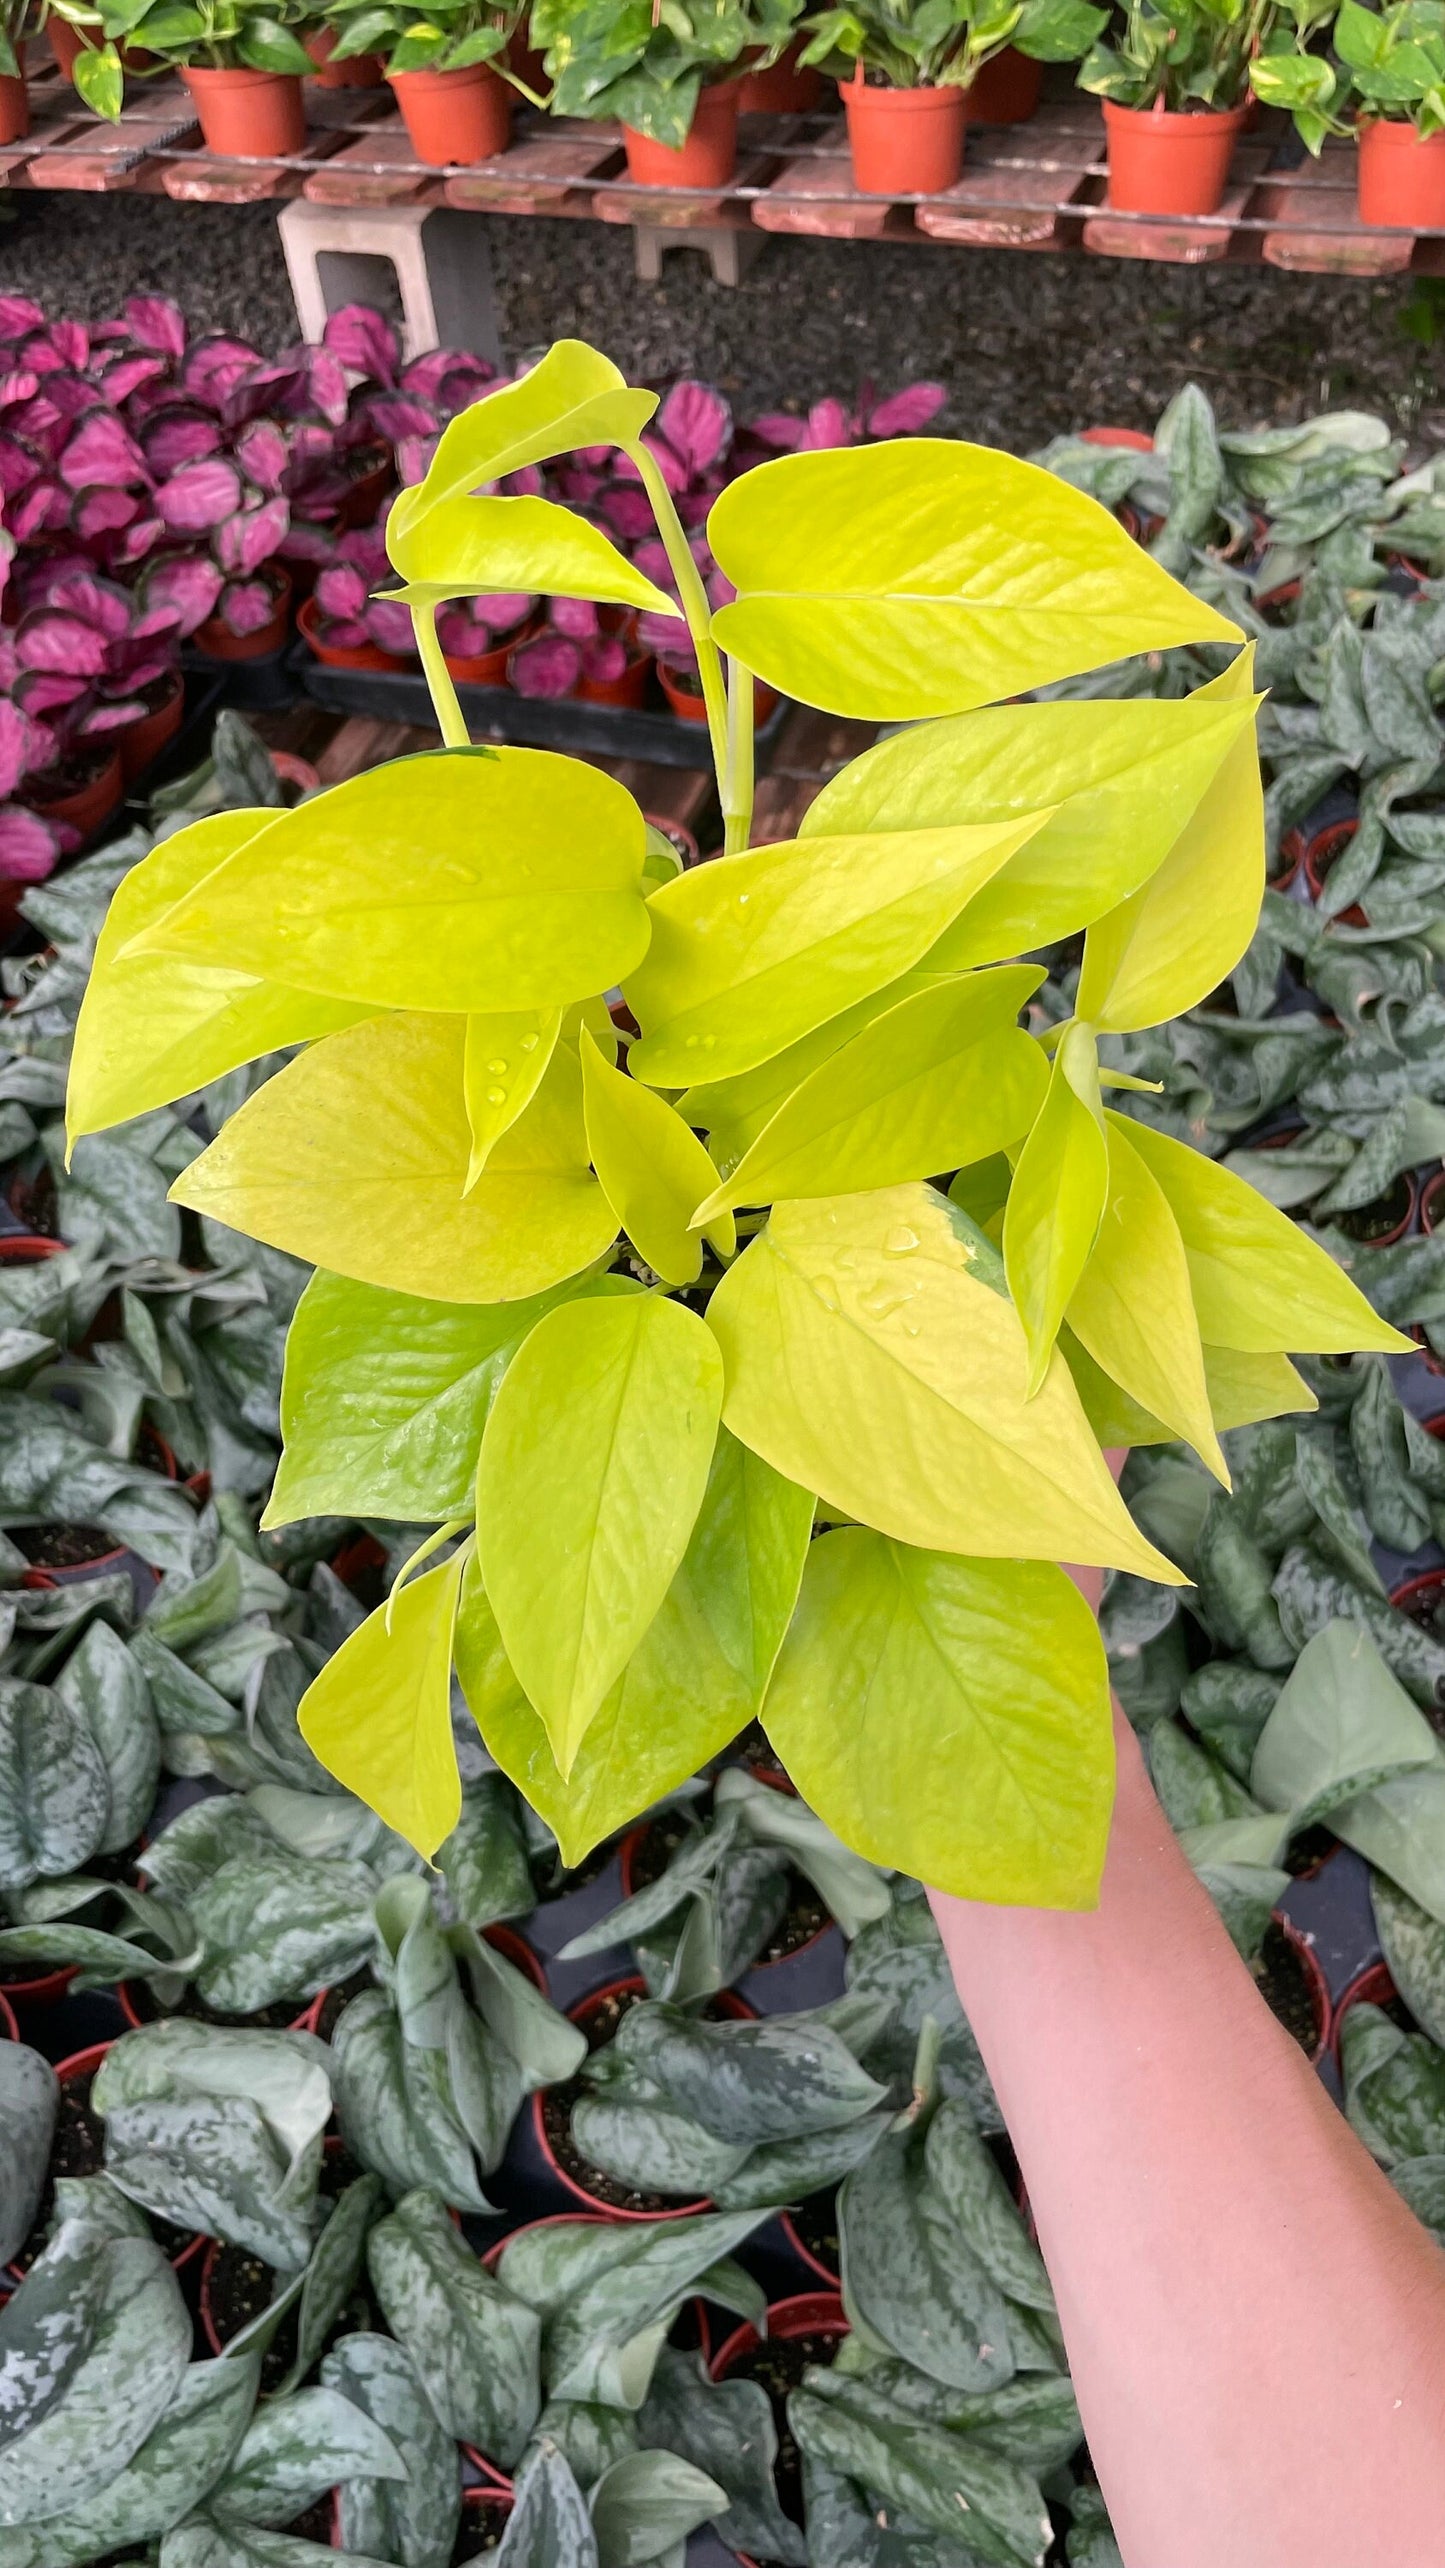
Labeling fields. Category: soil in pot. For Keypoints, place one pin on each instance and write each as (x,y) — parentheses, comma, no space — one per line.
(454,116)
(1287,1985)
(1163,163)
(1401,175)
(1385,1219)
(78,2149)
(778,2364)
(1423,1601)
(335,2001)
(709,155)
(904,142)
(238,2287)
(61,1546)
(248,115)
(484,2520)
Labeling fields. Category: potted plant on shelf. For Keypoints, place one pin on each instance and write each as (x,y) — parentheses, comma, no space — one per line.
(449,64)
(241,60)
(668,76)
(15,22)
(1175,87)
(905,69)
(1394,62)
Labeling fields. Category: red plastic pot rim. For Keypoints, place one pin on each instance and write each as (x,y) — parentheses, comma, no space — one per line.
(1432,1196)
(804,2253)
(1303,1945)
(9,2029)
(44,1987)
(736,2007)
(1172,120)
(923,98)
(1134,438)
(26,1248)
(802,2314)
(513,1948)
(1371,1986)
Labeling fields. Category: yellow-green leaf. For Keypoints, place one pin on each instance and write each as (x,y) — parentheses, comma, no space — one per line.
(945,1076)
(923,576)
(462,546)
(752,951)
(1173,941)
(653,1169)
(154,1026)
(695,1678)
(1259,1283)
(1133,1309)
(355,1158)
(865,1361)
(594,1462)
(1056,1202)
(1242,1390)
(384,1397)
(379,1714)
(573,396)
(462,878)
(736,1110)
(1123,779)
(503,1064)
(950,1718)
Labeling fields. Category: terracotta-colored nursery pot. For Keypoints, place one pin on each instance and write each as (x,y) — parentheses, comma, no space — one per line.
(1432,1210)
(904,142)
(248,115)
(1006,91)
(14,108)
(454,116)
(630,689)
(1401,176)
(143,740)
(359,71)
(709,155)
(687,702)
(1134,438)
(87,806)
(1372,1986)
(1320,853)
(783,90)
(218,642)
(727,2003)
(336,655)
(1164,163)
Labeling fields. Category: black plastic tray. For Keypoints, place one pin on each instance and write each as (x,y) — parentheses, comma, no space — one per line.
(534,722)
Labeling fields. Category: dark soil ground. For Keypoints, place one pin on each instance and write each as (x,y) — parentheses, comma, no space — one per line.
(1028,345)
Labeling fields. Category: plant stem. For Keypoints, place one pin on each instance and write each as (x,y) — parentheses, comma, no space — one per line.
(737,791)
(450,719)
(692,597)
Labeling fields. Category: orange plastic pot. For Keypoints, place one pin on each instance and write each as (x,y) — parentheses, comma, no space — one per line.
(360,71)
(1401,176)
(87,805)
(454,115)
(248,115)
(1006,91)
(783,90)
(905,142)
(65,43)
(14,108)
(709,155)
(630,689)
(1163,163)
(216,639)
(146,738)
(337,655)
(687,701)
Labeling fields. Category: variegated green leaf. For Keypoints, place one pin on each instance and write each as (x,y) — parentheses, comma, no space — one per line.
(28,2099)
(414,2520)
(297,2447)
(474,2344)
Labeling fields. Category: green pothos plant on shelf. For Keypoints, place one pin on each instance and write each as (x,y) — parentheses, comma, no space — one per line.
(759,1364)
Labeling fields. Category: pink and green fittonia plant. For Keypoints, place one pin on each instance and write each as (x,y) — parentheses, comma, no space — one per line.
(761,1365)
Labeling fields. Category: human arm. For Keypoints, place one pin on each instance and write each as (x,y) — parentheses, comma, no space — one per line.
(1255,2323)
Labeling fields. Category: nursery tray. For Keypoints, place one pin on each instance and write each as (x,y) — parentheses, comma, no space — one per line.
(534,722)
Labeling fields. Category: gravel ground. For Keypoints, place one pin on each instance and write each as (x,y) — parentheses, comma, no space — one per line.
(1027,345)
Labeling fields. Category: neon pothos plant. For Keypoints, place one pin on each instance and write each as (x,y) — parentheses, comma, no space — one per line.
(626,1372)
